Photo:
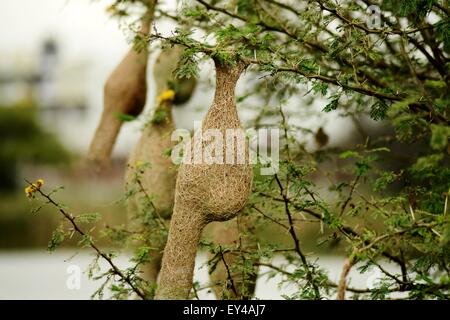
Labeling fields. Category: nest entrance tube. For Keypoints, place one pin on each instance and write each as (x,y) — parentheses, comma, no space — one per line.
(125,92)
(205,192)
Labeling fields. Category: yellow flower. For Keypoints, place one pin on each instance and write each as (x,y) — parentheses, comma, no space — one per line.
(39,183)
(30,190)
(167,95)
(138,163)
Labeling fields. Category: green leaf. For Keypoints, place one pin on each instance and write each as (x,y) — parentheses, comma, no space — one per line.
(384,180)
(401,106)
(142,255)
(57,238)
(362,167)
(168,152)
(437,84)
(439,136)
(85,241)
(194,13)
(443,32)
(188,65)
(378,111)
(349,154)
(320,86)
(88,217)
(124,117)
(427,163)
(159,116)
(333,103)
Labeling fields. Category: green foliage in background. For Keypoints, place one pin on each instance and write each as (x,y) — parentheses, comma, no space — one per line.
(24,140)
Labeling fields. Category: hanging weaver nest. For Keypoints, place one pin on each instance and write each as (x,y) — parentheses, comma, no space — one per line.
(125,93)
(205,192)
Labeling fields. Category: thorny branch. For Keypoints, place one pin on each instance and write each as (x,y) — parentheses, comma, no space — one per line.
(208,50)
(229,276)
(309,275)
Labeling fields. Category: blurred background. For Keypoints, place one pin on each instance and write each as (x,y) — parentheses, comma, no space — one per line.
(55,56)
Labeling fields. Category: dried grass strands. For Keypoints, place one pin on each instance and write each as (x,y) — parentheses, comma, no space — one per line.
(205,192)
(125,92)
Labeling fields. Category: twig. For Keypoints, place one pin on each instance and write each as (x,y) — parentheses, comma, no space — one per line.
(350,195)
(195,292)
(230,278)
(342,286)
(309,275)
(159,218)
(269,218)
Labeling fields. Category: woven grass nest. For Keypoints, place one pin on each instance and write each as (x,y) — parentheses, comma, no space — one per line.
(205,192)
(125,92)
